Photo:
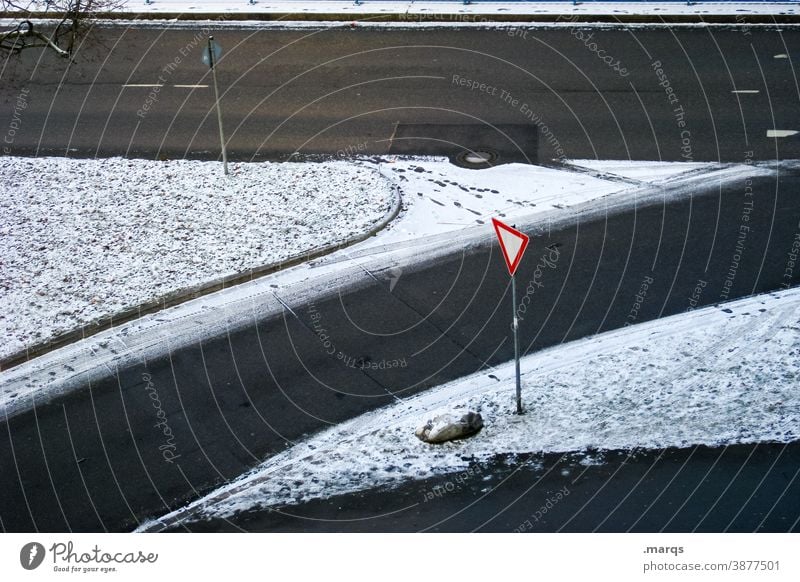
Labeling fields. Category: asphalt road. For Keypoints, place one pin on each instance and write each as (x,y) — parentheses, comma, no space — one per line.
(658,94)
(95,460)
(742,488)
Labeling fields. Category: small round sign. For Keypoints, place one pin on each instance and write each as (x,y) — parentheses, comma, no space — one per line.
(211,46)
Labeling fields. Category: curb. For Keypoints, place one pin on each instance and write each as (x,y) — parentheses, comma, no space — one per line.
(194,292)
(366,18)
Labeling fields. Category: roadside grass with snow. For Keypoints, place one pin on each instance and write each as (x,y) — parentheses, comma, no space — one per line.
(442,205)
(426,8)
(717,376)
(82,240)
(721,375)
(441,197)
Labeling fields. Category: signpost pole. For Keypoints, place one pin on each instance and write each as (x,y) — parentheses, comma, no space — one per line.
(219,110)
(513,244)
(516,340)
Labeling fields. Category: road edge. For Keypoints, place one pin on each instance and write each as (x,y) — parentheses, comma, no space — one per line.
(430,18)
(187,294)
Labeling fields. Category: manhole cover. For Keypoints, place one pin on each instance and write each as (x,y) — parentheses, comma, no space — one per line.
(485,145)
(477,158)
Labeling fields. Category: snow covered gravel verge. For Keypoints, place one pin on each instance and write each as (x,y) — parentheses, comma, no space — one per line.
(433,8)
(82,240)
(716,376)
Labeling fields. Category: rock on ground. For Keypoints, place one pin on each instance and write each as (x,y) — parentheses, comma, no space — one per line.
(450,426)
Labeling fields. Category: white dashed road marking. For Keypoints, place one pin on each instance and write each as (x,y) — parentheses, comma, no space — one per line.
(781,132)
(155,85)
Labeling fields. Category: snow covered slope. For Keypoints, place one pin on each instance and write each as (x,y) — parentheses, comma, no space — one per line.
(716,376)
(81,240)
(451,7)
(443,207)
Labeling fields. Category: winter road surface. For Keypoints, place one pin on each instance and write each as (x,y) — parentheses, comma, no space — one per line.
(103,457)
(717,377)
(228,401)
(750,487)
(646,93)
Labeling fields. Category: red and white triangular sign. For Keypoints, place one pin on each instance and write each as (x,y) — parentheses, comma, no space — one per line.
(512,242)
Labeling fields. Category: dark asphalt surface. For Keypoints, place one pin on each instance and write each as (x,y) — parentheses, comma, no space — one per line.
(369,90)
(742,488)
(91,460)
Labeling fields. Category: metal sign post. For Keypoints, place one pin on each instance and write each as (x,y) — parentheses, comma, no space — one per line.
(516,340)
(513,244)
(210,57)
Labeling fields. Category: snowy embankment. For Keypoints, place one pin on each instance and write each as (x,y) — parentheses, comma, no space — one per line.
(443,207)
(83,240)
(426,9)
(716,376)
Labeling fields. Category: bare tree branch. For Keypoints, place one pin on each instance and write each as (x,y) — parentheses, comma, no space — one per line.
(72,15)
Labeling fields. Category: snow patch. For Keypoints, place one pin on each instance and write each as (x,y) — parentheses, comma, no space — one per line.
(417,9)
(708,377)
(83,240)
(650,172)
(443,207)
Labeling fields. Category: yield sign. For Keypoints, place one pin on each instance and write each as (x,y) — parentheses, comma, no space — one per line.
(512,242)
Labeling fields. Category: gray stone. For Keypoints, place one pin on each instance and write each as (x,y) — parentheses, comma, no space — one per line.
(450,426)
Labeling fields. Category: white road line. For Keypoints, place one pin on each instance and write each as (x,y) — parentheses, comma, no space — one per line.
(781,56)
(146,85)
(747,91)
(191,86)
(781,132)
